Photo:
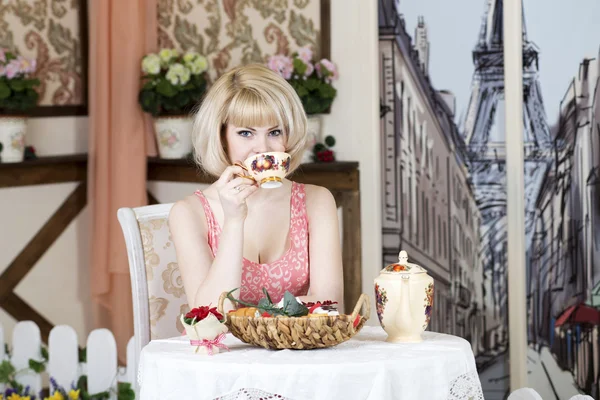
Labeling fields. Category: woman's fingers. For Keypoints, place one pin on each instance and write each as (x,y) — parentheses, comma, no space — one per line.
(239,182)
(228,175)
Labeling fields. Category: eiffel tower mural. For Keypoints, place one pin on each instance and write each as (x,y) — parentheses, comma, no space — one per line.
(483,130)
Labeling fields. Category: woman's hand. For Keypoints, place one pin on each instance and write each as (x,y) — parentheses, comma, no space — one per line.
(233,192)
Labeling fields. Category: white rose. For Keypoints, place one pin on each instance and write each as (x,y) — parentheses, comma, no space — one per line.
(151,64)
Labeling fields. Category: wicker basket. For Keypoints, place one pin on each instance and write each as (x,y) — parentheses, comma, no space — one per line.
(296,332)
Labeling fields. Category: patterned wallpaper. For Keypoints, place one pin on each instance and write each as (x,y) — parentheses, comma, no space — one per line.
(227,32)
(234,32)
(47,30)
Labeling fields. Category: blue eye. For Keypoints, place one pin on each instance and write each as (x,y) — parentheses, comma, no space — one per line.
(245,133)
(276,132)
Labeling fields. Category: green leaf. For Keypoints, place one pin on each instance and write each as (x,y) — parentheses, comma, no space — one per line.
(44,352)
(330,141)
(125,392)
(82,383)
(312,84)
(6,371)
(299,66)
(37,366)
(4,90)
(292,307)
(83,355)
(100,396)
(17,85)
(16,386)
(264,289)
(327,91)
(165,88)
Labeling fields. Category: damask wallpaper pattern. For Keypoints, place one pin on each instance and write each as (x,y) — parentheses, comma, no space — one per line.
(47,31)
(227,32)
(234,32)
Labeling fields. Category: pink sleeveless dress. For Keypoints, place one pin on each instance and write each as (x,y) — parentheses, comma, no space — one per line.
(290,272)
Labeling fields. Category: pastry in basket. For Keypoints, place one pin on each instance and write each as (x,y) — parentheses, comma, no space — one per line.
(288,306)
(293,324)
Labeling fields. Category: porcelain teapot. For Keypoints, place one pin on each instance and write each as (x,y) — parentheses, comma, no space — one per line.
(404,300)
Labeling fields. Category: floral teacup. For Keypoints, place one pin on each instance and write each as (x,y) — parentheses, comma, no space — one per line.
(268,169)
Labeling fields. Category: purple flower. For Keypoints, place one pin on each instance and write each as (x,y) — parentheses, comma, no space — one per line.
(282,65)
(305,54)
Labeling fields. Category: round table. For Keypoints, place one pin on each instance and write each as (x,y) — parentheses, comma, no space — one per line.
(365,367)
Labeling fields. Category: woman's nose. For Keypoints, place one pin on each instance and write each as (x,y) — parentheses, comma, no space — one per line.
(261,144)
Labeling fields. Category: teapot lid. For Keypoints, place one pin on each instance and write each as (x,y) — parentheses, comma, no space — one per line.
(403,266)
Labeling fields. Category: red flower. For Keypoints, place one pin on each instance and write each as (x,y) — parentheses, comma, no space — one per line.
(325,156)
(202,312)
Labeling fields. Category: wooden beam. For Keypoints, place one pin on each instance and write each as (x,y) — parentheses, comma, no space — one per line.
(42,240)
(21,311)
(351,249)
(334,176)
(44,170)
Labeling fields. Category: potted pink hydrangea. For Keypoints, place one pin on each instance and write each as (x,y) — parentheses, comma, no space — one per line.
(17,96)
(312,80)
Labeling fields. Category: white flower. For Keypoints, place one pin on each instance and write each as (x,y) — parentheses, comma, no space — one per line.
(195,62)
(178,74)
(151,64)
(166,55)
(190,56)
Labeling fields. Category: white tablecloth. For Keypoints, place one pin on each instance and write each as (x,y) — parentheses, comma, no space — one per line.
(365,367)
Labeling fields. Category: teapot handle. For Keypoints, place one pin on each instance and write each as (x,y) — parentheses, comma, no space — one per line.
(363,300)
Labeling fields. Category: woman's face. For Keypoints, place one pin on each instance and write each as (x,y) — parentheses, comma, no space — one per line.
(245,141)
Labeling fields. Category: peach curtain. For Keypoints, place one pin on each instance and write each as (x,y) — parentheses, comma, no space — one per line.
(121,32)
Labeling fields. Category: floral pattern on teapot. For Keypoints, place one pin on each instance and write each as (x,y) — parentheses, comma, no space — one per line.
(428,304)
(397,268)
(380,300)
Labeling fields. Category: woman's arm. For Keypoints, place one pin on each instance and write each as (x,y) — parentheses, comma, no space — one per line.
(324,247)
(204,277)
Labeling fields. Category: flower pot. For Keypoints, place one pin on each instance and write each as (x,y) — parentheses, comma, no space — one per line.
(313,129)
(12,137)
(173,136)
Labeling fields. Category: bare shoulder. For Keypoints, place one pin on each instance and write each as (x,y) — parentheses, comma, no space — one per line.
(187,212)
(318,197)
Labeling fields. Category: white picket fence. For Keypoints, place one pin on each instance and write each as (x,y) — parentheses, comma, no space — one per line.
(63,365)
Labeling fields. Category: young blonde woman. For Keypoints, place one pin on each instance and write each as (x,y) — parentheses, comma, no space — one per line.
(237,235)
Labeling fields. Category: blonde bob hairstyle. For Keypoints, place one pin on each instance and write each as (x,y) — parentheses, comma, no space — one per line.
(250,95)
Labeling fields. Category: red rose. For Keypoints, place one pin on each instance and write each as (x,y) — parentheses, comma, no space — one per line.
(199,313)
